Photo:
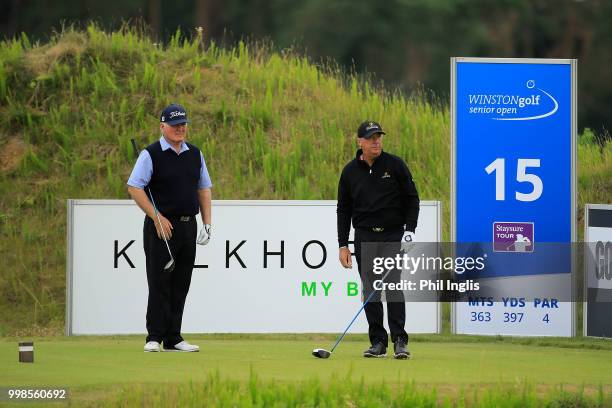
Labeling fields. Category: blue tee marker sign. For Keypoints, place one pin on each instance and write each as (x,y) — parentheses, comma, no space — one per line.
(513,189)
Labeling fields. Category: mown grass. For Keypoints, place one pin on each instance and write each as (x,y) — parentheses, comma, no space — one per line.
(279,369)
(583,343)
(273,125)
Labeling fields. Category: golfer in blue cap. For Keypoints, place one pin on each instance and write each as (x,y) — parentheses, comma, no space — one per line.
(170,183)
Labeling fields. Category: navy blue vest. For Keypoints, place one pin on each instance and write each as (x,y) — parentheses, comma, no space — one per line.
(175,178)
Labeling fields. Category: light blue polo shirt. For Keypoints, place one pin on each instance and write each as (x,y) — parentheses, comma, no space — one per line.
(143,170)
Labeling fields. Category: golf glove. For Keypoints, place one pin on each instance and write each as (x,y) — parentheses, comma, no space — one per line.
(407,242)
(204,236)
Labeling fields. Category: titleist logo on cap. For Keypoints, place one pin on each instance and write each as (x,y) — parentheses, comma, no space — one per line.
(174,114)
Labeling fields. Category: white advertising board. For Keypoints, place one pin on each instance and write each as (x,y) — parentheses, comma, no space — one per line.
(250,278)
(598,270)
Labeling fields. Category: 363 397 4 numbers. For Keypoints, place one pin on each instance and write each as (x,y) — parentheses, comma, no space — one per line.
(508,317)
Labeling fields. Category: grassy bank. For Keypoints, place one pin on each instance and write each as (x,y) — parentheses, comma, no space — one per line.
(272,126)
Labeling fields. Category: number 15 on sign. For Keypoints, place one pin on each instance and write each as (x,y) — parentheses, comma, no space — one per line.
(522,176)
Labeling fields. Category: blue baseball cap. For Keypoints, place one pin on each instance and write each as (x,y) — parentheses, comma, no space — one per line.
(173,115)
(368,129)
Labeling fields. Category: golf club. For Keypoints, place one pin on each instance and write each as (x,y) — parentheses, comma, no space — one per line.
(169,267)
(322,353)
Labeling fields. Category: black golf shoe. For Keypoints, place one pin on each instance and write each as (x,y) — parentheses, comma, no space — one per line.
(376,351)
(400,351)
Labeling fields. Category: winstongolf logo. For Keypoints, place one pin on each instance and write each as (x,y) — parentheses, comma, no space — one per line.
(534,103)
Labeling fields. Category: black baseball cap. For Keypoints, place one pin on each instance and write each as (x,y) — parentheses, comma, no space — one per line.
(369,128)
(173,115)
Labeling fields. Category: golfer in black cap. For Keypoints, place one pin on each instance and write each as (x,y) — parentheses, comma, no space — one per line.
(376,192)
(170,183)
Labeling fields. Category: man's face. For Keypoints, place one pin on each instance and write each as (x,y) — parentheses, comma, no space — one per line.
(174,133)
(371,147)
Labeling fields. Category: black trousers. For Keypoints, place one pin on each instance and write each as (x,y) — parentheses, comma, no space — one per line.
(368,244)
(168,290)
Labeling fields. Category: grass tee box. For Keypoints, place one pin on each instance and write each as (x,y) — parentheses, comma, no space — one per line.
(96,367)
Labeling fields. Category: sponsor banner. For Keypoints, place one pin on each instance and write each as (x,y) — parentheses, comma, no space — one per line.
(598,270)
(270,267)
(513,176)
(598,235)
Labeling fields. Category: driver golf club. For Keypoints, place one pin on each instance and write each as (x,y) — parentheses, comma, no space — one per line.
(169,267)
(322,353)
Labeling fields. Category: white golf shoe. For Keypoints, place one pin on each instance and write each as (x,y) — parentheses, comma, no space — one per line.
(152,347)
(184,347)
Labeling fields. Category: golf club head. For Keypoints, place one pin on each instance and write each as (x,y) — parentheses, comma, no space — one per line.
(321,353)
(169,266)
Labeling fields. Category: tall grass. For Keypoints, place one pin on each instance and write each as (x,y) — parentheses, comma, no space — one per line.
(344,392)
(271,125)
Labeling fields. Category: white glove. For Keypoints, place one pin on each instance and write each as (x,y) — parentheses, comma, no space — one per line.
(407,242)
(204,236)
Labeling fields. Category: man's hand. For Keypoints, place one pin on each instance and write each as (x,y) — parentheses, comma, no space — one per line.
(141,198)
(165,224)
(407,242)
(204,236)
(345,257)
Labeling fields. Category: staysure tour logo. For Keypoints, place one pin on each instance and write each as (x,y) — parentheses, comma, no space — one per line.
(531,104)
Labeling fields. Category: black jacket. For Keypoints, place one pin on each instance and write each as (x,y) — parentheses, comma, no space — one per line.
(383,195)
